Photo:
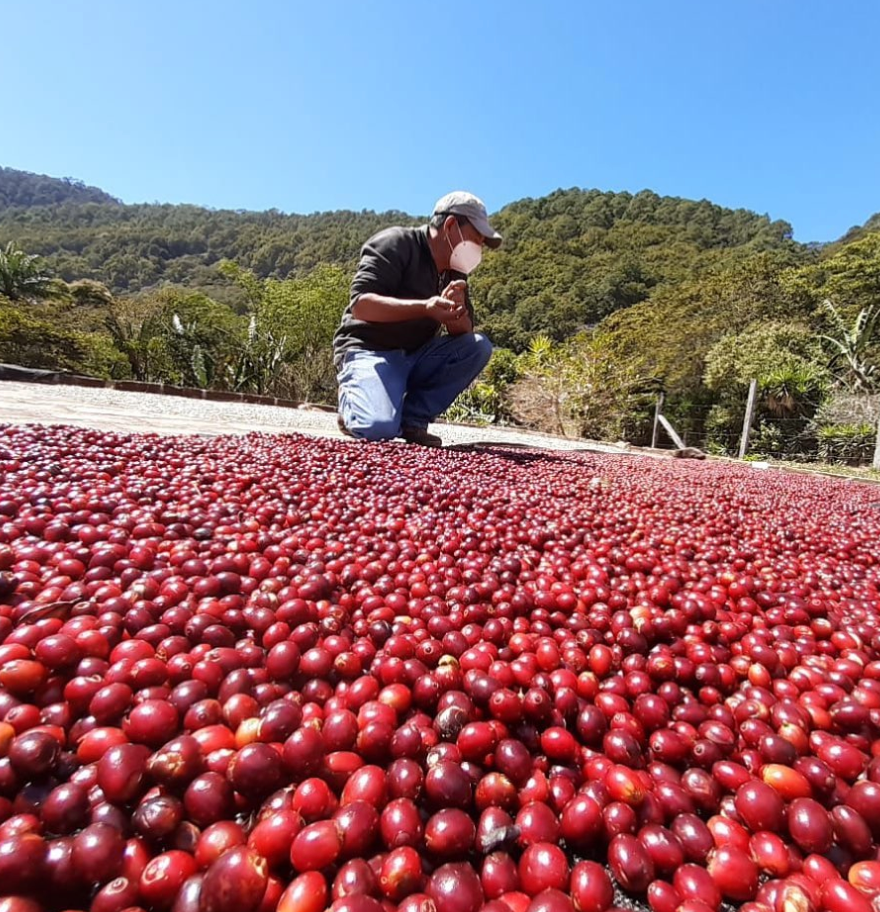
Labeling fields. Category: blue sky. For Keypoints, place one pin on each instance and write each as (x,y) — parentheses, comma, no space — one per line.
(770,105)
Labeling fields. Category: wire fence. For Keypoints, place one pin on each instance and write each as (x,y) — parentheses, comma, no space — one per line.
(846,433)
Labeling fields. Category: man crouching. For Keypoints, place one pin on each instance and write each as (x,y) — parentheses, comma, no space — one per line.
(395,369)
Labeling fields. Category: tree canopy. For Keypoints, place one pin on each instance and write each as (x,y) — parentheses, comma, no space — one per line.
(22,188)
(568,260)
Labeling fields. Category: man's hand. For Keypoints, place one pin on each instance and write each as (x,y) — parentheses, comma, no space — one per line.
(449,306)
(443,310)
(456,291)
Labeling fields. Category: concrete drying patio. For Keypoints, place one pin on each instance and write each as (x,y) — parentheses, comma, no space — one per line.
(138,412)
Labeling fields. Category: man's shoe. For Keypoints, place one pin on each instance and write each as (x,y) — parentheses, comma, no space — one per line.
(421,436)
(341,425)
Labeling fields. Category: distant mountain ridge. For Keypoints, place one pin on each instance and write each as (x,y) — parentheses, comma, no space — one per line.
(24,189)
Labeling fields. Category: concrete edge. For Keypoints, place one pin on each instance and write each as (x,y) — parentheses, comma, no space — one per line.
(167,389)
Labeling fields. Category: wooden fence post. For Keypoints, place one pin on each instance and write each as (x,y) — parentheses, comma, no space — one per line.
(747,421)
(661,397)
(672,432)
(876,463)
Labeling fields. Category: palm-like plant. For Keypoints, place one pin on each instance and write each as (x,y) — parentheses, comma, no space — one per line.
(259,360)
(792,390)
(22,277)
(540,353)
(851,343)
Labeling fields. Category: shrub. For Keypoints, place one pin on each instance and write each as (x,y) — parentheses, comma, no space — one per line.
(486,400)
(39,344)
(845,407)
(767,440)
(846,444)
(723,429)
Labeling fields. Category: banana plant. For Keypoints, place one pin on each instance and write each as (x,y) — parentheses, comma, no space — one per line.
(851,343)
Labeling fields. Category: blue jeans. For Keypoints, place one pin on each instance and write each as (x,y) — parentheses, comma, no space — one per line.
(382,392)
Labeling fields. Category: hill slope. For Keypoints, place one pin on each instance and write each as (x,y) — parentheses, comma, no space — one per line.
(22,188)
(569,258)
(575,256)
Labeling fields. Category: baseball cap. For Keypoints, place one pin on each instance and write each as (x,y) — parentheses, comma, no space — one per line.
(460,202)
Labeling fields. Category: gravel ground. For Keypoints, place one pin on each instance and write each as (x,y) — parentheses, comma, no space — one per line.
(109,409)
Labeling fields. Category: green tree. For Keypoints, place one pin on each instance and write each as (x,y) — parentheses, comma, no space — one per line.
(756,352)
(22,188)
(787,361)
(618,397)
(256,367)
(37,343)
(793,392)
(89,293)
(844,272)
(486,401)
(669,336)
(291,329)
(549,388)
(136,329)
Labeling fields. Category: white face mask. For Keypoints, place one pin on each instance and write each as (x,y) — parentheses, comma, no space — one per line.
(465,255)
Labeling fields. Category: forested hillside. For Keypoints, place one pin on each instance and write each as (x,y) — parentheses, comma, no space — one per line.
(569,259)
(574,257)
(21,188)
(597,301)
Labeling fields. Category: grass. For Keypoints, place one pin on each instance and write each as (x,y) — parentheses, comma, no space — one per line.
(857,473)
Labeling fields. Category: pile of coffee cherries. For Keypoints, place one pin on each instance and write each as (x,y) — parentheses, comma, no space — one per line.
(248,674)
